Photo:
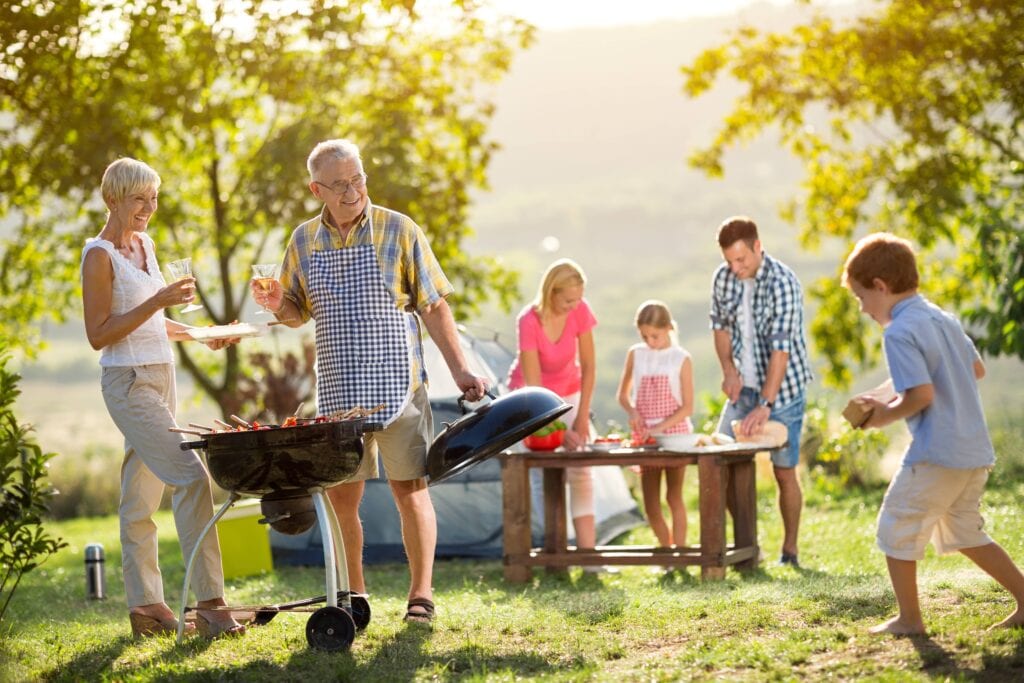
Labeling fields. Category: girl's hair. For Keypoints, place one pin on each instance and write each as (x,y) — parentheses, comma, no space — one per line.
(561,274)
(127,176)
(327,150)
(886,257)
(656,314)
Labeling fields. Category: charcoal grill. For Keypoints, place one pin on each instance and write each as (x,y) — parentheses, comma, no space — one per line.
(279,463)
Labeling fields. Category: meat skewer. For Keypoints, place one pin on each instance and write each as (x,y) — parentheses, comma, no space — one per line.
(179,430)
(198,426)
(240,421)
(223,424)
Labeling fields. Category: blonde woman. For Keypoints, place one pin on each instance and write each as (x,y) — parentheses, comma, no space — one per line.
(124,297)
(556,351)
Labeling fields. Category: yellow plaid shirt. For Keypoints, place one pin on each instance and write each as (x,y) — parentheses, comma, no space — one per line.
(411,271)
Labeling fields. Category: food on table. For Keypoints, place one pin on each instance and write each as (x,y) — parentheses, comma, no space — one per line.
(547,438)
(772,431)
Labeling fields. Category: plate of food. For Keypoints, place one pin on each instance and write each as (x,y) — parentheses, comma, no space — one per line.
(232,331)
(648,444)
(606,443)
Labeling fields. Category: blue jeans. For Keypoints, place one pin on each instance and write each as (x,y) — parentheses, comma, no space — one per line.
(791,415)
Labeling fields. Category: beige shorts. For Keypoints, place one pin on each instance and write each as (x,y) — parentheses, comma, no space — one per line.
(402,446)
(930,502)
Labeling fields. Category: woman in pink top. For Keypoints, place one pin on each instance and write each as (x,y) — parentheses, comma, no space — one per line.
(556,351)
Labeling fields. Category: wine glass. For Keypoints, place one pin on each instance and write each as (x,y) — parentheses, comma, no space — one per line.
(265,274)
(180,269)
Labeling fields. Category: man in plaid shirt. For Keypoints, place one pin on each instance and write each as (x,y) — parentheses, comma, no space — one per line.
(367,276)
(758,325)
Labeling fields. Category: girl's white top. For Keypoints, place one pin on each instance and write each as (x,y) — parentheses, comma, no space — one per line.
(648,361)
(147,344)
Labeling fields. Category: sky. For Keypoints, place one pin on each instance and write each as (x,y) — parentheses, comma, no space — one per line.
(563,14)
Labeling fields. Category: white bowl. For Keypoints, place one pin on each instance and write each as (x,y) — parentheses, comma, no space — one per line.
(677,442)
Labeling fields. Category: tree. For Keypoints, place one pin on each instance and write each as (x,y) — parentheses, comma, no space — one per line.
(225,100)
(923,110)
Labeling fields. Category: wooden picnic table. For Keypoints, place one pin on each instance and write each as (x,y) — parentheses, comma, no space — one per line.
(720,469)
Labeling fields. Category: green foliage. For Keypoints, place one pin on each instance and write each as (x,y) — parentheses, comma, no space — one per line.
(840,459)
(24,543)
(87,483)
(226,103)
(1008,440)
(922,104)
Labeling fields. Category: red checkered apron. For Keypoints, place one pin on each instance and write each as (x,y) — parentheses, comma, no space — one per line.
(654,402)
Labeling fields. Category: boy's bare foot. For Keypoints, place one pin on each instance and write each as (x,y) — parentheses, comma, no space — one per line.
(1015,620)
(899,628)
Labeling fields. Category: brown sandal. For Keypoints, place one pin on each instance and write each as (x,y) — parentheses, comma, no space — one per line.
(145,626)
(426,616)
(210,629)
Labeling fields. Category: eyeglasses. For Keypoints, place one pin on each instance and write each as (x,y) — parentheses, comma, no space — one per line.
(343,186)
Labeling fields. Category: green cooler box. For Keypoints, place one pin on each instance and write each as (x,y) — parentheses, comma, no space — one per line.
(244,542)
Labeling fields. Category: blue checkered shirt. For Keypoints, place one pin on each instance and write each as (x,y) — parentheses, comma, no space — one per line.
(778,308)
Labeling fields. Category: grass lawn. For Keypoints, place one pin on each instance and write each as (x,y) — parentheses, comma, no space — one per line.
(640,624)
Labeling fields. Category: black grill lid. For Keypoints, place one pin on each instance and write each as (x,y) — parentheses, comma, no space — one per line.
(490,429)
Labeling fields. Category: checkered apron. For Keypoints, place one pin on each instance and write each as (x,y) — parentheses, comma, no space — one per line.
(655,402)
(362,338)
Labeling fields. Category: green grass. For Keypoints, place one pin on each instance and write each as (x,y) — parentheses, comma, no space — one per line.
(773,624)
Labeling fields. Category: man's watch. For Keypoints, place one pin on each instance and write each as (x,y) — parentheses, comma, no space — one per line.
(766,403)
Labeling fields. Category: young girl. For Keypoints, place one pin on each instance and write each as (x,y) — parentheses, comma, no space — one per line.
(656,391)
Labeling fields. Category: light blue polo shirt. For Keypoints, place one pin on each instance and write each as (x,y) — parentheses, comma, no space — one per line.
(925,345)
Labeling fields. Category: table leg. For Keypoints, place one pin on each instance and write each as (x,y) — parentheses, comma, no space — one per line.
(744,489)
(515,486)
(712,517)
(555,533)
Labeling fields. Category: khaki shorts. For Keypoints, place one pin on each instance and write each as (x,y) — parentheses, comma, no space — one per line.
(402,446)
(929,502)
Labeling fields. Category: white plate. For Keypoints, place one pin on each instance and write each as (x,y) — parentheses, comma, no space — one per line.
(605,446)
(226,331)
(677,442)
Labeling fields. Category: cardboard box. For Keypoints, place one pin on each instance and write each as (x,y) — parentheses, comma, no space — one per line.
(857,413)
(244,542)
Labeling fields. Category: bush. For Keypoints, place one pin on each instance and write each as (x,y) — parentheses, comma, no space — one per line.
(89,484)
(1007,433)
(840,458)
(24,494)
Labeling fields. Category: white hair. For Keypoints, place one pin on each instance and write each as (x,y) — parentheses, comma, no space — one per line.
(127,176)
(337,149)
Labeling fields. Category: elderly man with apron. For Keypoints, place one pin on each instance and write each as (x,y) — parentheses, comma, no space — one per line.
(361,271)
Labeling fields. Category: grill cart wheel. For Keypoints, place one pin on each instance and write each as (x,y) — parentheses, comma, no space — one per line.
(330,629)
(360,611)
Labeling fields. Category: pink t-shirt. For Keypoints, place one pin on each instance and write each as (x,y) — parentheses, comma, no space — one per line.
(559,360)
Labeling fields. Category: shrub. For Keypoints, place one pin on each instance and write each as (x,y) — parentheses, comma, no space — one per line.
(89,483)
(24,494)
(840,458)
(1007,433)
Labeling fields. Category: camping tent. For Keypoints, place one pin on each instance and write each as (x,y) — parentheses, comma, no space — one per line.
(468,505)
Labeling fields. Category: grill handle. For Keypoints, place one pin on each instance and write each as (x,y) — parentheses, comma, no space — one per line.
(190,445)
(462,401)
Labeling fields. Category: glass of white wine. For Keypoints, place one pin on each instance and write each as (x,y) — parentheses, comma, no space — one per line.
(180,269)
(265,274)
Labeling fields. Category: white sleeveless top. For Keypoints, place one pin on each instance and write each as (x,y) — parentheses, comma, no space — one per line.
(648,361)
(147,344)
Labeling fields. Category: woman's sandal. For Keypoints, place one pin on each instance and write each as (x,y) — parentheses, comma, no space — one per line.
(210,629)
(425,615)
(145,626)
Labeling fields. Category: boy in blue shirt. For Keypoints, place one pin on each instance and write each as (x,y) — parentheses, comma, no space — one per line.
(934,366)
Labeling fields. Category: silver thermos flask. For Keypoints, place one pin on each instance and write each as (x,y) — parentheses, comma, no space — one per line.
(95,578)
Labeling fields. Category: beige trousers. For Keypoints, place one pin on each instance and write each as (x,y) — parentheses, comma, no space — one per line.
(141,402)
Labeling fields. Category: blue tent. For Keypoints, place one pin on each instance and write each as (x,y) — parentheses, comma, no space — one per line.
(468,505)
